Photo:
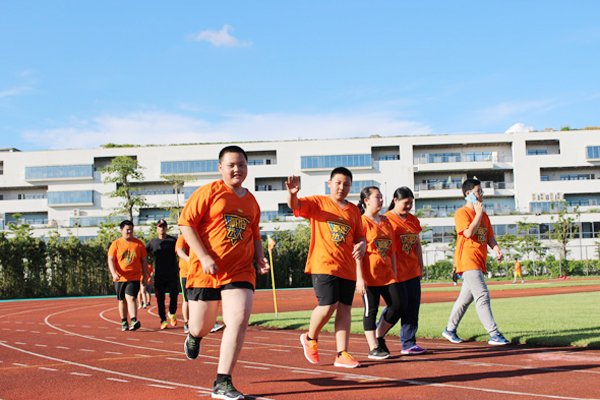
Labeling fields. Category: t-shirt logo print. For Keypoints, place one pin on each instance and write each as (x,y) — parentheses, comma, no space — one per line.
(481,234)
(408,242)
(338,232)
(128,256)
(236,226)
(383,245)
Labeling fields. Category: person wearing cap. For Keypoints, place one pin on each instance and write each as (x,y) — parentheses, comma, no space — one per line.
(166,272)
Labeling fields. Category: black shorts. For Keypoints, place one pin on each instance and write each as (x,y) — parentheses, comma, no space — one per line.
(183,282)
(332,289)
(131,288)
(214,294)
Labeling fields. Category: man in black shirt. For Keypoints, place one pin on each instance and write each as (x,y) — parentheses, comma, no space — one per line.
(166,272)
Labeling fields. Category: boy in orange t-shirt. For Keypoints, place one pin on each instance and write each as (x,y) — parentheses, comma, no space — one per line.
(337,247)
(518,272)
(128,266)
(474,233)
(220,224)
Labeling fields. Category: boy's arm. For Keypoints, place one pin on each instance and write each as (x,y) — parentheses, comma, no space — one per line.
(360,248)
(112,269)
(360,280)
(494,245)
(191,237)
(293,187)
(259,256)
(476,221)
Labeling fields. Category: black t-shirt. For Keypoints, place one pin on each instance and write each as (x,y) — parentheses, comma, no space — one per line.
(165,258)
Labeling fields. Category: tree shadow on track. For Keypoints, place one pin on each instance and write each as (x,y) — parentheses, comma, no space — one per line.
(570,335)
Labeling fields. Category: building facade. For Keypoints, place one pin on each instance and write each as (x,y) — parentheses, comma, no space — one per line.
(522,174)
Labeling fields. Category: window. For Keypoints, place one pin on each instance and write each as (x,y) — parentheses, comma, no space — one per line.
(537,152)
(544,178)
(443,157)
(257,162)
(1,167)
(59,172)
(188,190)
(479,156)
(389,157)
(593,152)
(189,167)
(576,177)
(74,197)
(349,161)
(356,187)
(264,188)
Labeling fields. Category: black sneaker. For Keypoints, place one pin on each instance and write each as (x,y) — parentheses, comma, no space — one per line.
(378,354)
(381,345)
(135,325)
(225,390)
(124,326)
(192,347)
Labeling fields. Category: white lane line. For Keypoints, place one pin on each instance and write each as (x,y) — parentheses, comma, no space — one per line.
(113,352)
(41,345)
(85,326)
(134,340)
(176,359)
(6,329)
(20,343)
(117,380)
(253,367)
(111,337)
(20,365)
(161,386)
(20,330)
(283,351)
(156,341)
(142,355)
(51,333)
(211,363)
(86,350)
(306,372)
(80,374)
(48,369)
(62,347)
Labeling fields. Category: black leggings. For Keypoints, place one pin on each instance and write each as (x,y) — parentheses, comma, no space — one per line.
(393,298)
(162,286)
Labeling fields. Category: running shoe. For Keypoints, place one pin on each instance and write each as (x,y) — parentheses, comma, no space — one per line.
(186,328)
(451,336)
(163,324)
(217,327)
(414,351)
(172,319)
(135,325)
(345,360)
(310,349)
(381,344)
(378,354)
(226,390)
(498,340)
(124,326)
(192,347)
(140,305)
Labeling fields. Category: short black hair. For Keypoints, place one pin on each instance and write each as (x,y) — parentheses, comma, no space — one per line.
(232,149)
(469,184)
(125,223)
(342,171)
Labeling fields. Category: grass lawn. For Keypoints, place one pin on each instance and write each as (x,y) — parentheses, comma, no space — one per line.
(556,320)
(432,287)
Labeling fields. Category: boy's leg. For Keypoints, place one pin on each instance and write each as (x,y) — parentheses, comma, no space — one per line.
(461,304)
(318,318)
(481,295)
(343,320)
(173,293)
(237,305)
(410,318)
(131,306)
(202,315)
(159,292)
(123,309)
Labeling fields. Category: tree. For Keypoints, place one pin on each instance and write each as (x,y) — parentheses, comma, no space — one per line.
(529,241)
(509,243)
(563,229)
(122,171)
(177,181)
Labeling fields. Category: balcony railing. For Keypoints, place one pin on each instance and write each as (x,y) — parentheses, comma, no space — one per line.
(455,185)
(458,158)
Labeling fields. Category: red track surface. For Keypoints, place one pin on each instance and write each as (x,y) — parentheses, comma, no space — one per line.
(74,349)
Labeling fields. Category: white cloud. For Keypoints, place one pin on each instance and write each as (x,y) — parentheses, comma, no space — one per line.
(510,109)
(162,128)
(14,91)
(220,38)
(519,127)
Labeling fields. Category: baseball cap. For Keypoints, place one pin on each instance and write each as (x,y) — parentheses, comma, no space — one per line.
(161,222)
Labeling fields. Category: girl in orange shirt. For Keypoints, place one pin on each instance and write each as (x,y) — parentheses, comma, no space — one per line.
(409,258)
(379,273)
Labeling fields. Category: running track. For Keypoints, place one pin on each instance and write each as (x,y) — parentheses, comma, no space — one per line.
(74,349)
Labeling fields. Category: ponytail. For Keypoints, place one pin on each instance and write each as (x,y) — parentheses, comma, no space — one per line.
(364,194)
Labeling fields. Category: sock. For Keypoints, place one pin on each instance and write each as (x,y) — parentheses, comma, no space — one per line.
(340,353)
(222,378)
(309,338)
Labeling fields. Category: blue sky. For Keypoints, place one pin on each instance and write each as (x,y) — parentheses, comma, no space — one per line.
(79,74)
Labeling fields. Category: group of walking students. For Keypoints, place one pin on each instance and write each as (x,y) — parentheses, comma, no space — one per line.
(352,249)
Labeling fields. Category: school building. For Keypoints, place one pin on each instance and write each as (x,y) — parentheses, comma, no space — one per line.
(522,175)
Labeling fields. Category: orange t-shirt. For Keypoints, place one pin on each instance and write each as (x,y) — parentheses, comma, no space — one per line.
(471,253)
(334,231)
(228,226)
(407,236)
(183,265)
(149,277)
(129,258)
(518,267)
(377,263)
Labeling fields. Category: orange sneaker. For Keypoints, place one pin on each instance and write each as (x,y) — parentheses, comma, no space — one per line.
(172,319)
(310,349)
(163,324)
(345,360)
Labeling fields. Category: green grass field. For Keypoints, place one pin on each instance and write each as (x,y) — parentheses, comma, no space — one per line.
(557,320)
